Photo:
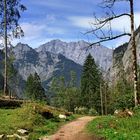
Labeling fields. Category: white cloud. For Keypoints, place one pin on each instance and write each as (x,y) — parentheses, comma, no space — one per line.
(120,24)
(32,30)
(35,33)
(124,23)
(81,21)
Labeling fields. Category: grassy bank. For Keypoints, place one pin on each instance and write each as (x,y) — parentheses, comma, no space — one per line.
(117,128)
(38,119)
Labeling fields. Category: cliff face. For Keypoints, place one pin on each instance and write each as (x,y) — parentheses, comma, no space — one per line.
(122,59)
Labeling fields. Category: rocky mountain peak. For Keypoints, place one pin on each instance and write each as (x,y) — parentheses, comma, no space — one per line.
(77,51)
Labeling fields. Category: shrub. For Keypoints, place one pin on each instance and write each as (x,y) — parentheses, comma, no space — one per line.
(92,111)
(81,110)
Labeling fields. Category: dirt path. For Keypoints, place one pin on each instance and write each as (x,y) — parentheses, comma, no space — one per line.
(73,130)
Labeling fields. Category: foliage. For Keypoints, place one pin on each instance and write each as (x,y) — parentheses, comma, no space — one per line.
(90,84)
(85,111)
(14,7)
(121,93)
(92,111)
(34,89)
(81,110)
(115,128)
(65,95)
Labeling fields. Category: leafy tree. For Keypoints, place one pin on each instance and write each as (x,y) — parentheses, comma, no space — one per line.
(9,17)
(90,84)
(34,89)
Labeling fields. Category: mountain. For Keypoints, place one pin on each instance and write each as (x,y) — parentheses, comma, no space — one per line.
(122,59)
(53,59)
(46,64)
(77,51)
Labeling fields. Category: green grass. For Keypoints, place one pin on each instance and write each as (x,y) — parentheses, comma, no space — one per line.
(28,118)
(116,128)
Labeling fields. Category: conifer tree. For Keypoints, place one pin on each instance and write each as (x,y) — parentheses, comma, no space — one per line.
(34,89)
(90,84)
(65,94)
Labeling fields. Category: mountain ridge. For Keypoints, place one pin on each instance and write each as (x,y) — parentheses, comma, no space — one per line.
(77,52)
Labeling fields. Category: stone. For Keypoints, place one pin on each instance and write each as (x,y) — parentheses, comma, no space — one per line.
(62,116)
(23,131)
(2,136)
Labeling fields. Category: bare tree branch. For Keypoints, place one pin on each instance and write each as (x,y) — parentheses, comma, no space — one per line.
(109,38)
(112,18)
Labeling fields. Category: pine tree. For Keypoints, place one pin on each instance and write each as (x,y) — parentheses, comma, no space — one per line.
(34,89)
(90,84)
(64,95)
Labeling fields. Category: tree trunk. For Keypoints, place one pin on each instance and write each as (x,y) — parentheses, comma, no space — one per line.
(101,96)
(105,98)
(5,45)
(134,53)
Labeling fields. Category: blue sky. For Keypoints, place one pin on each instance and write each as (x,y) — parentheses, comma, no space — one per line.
(67,20)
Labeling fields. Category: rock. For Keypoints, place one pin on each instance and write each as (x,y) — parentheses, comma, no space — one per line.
(2,136)
(122,60)
(10,136)
(62,116)
(23,131)
(116,112)
(77,52)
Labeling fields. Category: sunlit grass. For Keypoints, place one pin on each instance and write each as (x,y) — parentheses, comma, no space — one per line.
(27,118)
(116,128)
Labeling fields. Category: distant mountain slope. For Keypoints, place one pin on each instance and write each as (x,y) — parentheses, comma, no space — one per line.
(77,51)
(46,64)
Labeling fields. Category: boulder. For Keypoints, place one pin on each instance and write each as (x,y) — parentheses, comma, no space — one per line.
(61,116)
(2,136)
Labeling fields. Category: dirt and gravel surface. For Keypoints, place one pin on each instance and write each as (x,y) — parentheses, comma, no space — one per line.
(73,131)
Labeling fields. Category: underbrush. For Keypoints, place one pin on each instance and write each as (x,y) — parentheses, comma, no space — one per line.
(38,119)
(117,128)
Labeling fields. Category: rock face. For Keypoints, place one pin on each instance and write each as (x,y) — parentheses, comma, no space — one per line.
(122,59)
(77,51)
(47,65)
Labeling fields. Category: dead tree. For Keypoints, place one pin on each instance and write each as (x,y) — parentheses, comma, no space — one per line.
(102,36)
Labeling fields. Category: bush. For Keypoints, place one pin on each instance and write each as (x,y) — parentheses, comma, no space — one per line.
(137,110)
(125,101)
(92,111)
(81,110)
